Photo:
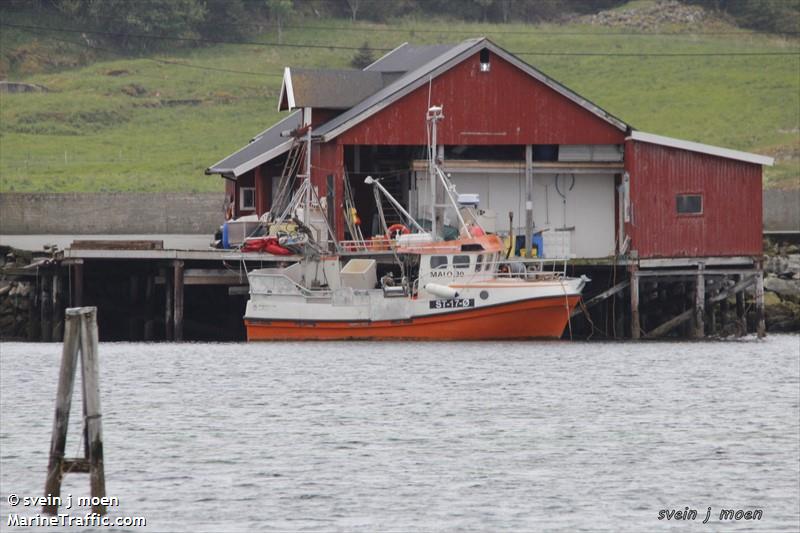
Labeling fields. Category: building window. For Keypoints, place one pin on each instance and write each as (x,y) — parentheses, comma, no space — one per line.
(689,204)
(247,198)
(484,57)
(438,261)
(461,261)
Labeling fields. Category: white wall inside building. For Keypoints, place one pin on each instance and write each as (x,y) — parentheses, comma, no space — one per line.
(588,204)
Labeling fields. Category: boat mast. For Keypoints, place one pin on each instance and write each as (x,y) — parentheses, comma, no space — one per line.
(434,115)
(307,202)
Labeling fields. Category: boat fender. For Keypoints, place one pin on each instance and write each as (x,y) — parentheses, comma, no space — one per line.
(394,229)
(442,291)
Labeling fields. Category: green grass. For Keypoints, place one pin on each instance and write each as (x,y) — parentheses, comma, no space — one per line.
(157,127)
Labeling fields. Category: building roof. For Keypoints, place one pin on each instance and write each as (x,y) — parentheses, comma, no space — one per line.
(327,88)
(449,58)
(267,145)
(701,148)
(406,57)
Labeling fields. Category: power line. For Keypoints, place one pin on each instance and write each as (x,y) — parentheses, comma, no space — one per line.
(351,48)
(520,32)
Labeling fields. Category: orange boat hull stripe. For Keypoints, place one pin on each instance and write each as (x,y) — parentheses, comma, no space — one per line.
(539,318)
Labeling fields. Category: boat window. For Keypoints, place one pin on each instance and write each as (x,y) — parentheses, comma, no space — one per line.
(478,263)
(461,261)
(438,261)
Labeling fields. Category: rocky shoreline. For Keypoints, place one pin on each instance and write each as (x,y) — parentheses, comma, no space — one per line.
(782,285)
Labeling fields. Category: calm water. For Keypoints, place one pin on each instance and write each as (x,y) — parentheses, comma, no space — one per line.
(422,437)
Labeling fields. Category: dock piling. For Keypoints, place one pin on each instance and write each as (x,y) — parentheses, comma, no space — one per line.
(178,300)
(635,324)
(761,327)
(700,302)
(80,335)
(741,317)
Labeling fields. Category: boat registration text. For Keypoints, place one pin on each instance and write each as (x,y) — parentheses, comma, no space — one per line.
(452,303)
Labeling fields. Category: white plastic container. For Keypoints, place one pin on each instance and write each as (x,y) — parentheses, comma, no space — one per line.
(359,274)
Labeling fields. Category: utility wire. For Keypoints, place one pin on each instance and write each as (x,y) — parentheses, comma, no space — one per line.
(520,32)
(351,48)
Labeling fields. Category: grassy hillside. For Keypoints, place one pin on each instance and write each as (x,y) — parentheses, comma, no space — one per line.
(149,124)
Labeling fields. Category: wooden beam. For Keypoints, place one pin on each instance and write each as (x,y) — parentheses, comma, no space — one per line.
(602,296)
(693,272)
(740,286)
(670,324)
(117,245)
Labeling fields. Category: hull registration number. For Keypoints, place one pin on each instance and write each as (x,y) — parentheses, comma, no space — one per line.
(452,303)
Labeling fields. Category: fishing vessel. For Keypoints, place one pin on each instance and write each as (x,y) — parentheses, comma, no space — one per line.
(427,288)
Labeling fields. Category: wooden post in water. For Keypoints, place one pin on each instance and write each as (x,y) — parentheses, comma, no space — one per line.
(46,306)
(149,307)
(58,318)
(700,302)
(635,324)
(761,326)
(169,325)
(178,287)
(741,317)
(133,301)
(723,315)
(80,335)
(77,283)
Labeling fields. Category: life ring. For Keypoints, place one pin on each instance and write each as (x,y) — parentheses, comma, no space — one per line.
(397,228)
(476,231)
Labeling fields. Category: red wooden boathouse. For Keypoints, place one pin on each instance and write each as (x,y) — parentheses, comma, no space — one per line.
(528,145)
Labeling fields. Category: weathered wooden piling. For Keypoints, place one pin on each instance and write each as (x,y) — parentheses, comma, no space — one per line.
(700,302)
(761,326)
(46,305)
(169,324)
(635,324)
(58,317)
(149,307)
(741,317)
(178,287)
(77,283)
(80,335)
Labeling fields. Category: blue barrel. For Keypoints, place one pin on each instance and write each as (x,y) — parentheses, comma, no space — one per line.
(225,242)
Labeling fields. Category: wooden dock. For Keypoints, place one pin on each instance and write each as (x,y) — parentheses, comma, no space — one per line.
(149,293)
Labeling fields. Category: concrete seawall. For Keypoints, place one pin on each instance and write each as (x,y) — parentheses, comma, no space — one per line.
(110,213)
(782,210)
(187,213)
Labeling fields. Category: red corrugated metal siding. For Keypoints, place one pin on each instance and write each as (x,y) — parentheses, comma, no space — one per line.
(502,106)
(730,224)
